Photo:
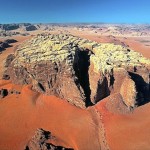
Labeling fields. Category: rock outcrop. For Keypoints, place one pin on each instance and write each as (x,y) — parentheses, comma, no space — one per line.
(38,142)
(9,41)
(5,44)
(112,65)
(78,70)
(3,93)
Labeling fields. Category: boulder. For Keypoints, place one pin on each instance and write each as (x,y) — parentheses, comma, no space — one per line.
(3,93)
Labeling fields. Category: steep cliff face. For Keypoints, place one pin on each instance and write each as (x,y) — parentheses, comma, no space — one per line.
(78,70)
(113,65)
(47,62)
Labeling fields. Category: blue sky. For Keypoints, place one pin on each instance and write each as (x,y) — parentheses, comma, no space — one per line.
(72,11)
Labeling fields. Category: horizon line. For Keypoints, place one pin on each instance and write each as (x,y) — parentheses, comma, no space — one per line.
(73,23)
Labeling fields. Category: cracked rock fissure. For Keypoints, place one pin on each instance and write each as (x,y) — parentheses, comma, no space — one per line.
(81,67)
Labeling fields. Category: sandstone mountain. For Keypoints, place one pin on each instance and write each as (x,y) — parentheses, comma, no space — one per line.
(80,71)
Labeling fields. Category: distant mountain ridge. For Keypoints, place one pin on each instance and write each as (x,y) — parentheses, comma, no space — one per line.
(99,28)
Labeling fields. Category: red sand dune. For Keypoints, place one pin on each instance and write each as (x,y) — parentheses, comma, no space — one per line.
(127,132)
(21,115)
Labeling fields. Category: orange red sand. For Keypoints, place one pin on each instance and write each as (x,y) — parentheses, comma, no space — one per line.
(127,132)
(21,115)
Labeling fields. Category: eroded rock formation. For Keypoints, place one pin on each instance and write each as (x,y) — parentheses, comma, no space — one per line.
(38,142)
(81,71)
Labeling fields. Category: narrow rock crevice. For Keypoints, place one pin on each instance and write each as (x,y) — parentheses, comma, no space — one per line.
(102,90)
(81,67)
(41,87)
(112,80)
